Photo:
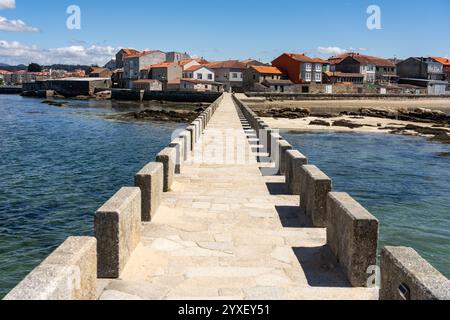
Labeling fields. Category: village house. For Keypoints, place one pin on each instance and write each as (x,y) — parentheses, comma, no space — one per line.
(187,63)
(96,72)
(164,72)
(148,84)
(176,56)
(374,69)
(200,85)
(336,77)
(421,68)
(299,68)
(230,73)
(326,65)
(199,72)
(446,66)
(257,74)
(424,72)
(133,64)
(122,54)
(253,62)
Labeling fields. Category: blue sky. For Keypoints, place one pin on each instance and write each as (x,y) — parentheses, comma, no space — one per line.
(222,29)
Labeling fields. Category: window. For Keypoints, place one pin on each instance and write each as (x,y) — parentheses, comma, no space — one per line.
(199,76)
(308,67)
(234,75)
(318,77)
(206,86)
(308,76)
(210,76)
(318,68)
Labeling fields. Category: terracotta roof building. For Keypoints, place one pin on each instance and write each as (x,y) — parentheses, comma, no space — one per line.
(230,73)
(373,69)
(299,67)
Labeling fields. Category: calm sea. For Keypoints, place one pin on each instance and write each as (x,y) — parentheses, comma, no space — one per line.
(57,166)
(399,179)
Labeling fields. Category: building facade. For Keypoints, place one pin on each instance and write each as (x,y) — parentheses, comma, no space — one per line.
(135,63)
(230,73)
(421,68)
(199,72)
(299,68)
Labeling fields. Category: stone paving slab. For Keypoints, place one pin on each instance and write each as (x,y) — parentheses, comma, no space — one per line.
(226,232)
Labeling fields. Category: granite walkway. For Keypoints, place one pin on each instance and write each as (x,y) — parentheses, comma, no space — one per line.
(227,232)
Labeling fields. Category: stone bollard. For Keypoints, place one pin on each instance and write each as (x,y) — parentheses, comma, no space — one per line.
(314,188)
(168,158)
(284,147)
(186,137)
(295,161)
(274,149)
(69,273)
(352,236)
(191,130)
(118,231)
(178,144)
(405,275)
(151,182)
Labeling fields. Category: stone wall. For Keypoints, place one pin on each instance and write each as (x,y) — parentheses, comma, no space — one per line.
(405,275)
(352,232)
(71,272)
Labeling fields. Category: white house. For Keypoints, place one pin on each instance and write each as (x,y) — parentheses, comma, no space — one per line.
(199,72)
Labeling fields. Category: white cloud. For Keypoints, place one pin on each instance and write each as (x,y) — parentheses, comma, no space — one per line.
(337,50)
(15,26)
(331,50)
(7,4)
(14,52)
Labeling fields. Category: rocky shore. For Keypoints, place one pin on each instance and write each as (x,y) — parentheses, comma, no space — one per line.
(433,124)
(159,115)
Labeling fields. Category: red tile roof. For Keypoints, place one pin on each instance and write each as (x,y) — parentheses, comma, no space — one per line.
(196,67)
(266,69)
(229,64)
(141,54)
(158,65)
(129,52)
(444,61)
(363,59)
(300,57)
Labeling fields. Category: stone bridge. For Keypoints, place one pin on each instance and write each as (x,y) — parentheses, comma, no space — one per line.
(230,211)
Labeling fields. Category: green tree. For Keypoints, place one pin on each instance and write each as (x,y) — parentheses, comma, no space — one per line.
(34,67)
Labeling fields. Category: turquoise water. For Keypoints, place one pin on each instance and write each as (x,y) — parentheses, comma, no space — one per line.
(399,179)
(57,166)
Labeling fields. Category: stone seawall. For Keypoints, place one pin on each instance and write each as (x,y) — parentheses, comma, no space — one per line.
(172,96)
(72,271)
(352,232)
(344,96)
(10,90)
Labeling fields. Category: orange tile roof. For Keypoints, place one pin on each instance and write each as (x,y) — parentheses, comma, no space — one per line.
(229,64)
(300,57)
(318,60)
(267,69)
(195,68)
(444,61)
(130,52)
(158,65)
(141,54)
(363,59)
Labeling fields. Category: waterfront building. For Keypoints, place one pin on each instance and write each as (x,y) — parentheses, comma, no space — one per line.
(257,74)
(133,64)
(122,54)
(445,65)
(421,68)
(299,68)
(230,73)
(176,56)
(199,72)
(200,85)
(147,84)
